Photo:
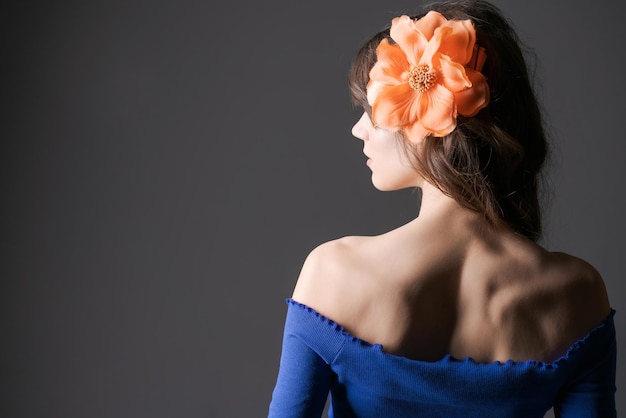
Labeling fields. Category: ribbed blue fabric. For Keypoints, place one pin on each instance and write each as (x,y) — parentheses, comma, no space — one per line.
(319,357)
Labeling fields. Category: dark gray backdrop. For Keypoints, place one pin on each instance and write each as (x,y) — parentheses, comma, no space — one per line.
(166,167)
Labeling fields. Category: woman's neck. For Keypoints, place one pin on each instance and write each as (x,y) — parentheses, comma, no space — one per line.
(435,204)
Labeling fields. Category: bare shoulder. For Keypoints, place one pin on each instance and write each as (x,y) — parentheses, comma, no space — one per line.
(583,290)
(330,271)
(567,300)
(554,300)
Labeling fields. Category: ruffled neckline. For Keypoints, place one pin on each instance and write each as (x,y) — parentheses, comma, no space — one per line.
(571,351)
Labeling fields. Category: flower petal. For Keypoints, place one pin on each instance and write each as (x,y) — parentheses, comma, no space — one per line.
(427,24)
(373,90)
(459,42)
(392,107)
(415,132)
(471,100)
(437,112)
(429,57)
(408,37)
(391,64)
(452,75)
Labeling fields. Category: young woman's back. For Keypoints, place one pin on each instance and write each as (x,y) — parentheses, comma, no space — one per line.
(459,323)
(435,287)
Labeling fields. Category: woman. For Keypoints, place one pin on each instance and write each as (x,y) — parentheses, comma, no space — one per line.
(459,312)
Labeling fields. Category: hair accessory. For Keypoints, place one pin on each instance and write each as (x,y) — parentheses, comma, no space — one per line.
(428,75)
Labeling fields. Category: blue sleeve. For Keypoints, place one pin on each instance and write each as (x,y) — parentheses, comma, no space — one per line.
(592,393)
(309,344)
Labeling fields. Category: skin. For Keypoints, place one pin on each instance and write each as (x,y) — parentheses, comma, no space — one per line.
(447,282)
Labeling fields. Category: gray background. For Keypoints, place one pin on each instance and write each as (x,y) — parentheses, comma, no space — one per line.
(166,167)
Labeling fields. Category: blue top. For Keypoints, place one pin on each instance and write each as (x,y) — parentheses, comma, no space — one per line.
(319,357)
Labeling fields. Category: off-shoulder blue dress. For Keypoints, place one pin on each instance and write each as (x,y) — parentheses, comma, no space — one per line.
(319,357)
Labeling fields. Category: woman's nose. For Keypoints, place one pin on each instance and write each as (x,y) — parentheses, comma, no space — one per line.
(359,129)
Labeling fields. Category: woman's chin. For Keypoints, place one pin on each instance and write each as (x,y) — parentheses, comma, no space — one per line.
(384,186)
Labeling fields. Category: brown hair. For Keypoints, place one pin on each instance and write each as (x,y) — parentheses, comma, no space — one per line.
(491,163)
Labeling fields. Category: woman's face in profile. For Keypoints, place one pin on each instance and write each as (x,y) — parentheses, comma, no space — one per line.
(390,164)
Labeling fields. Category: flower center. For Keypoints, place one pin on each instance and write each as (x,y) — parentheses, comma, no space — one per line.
(421,79)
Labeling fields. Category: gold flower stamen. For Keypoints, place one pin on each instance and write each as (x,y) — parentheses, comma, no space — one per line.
(421,79)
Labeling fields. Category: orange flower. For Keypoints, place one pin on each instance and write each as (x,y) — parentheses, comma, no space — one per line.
(420,82)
